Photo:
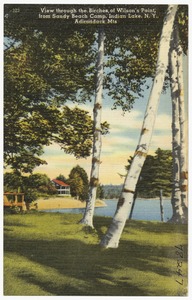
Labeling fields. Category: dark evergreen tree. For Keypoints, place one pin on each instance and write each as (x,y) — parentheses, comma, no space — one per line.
(163,170)
(156,175)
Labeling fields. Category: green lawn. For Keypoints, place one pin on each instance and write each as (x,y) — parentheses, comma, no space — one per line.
(50,254)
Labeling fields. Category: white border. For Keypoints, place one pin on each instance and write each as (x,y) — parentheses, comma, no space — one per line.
(112,2)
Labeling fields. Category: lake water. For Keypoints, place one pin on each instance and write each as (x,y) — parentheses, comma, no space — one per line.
(148,210)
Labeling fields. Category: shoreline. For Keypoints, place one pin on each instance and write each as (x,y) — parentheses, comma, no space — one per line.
(69,202)
(63,202)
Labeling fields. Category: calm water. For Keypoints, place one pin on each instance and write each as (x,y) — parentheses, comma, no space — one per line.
(148,210)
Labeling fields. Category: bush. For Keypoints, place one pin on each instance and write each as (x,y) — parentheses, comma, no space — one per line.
(13,210)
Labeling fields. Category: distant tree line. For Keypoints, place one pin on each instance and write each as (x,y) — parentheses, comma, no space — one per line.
(111,191)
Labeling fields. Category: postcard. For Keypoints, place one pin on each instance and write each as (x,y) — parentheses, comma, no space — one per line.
(95,149)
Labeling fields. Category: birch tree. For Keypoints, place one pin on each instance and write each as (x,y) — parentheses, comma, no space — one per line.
(179,194)
(94,176)
(123,84)
(183,144)
(176,192)
(111,238)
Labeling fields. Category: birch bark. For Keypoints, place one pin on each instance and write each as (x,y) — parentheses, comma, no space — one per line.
(176,192)
(183,144)
(111,239)
(97,142)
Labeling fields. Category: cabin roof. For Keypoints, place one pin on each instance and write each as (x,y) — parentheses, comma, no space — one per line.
(59,182)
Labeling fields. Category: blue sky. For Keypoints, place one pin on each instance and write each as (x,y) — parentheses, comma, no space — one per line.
(120,143)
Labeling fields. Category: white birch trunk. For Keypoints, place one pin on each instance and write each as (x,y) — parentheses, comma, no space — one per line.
(176,192)
(183,146)
(111,239)
(94,176)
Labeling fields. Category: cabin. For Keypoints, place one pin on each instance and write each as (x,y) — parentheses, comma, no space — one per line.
(63,189)
(14,199)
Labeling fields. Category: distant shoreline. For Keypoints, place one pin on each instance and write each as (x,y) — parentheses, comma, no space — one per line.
(63,202)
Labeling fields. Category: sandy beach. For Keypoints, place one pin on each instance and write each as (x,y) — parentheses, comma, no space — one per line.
(63,202)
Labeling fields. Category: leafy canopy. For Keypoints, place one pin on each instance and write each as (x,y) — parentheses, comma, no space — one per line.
(46,66)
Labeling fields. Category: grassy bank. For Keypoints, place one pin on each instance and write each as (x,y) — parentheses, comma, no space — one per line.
(50,254)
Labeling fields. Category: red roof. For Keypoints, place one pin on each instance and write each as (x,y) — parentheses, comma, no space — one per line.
(60,182)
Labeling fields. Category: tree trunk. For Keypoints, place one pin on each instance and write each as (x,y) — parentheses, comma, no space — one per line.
(183,150)
(176,191)
(133,205)
(161,205)
(94,177)
(111,239)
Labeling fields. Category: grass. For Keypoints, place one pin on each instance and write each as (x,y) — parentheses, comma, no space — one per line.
(50,254)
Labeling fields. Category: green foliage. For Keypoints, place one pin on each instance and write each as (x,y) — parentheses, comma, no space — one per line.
(41,183)
(79,184)
(76,134)
(32,117)
(26,130)
(62,53)
(13,210)
(30,194)
(183,26)
(131,63)
(32,186)
(61,177)
(13,182)
(132,51)
(156,175)
(46,66)
(53,255)
(41,72)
